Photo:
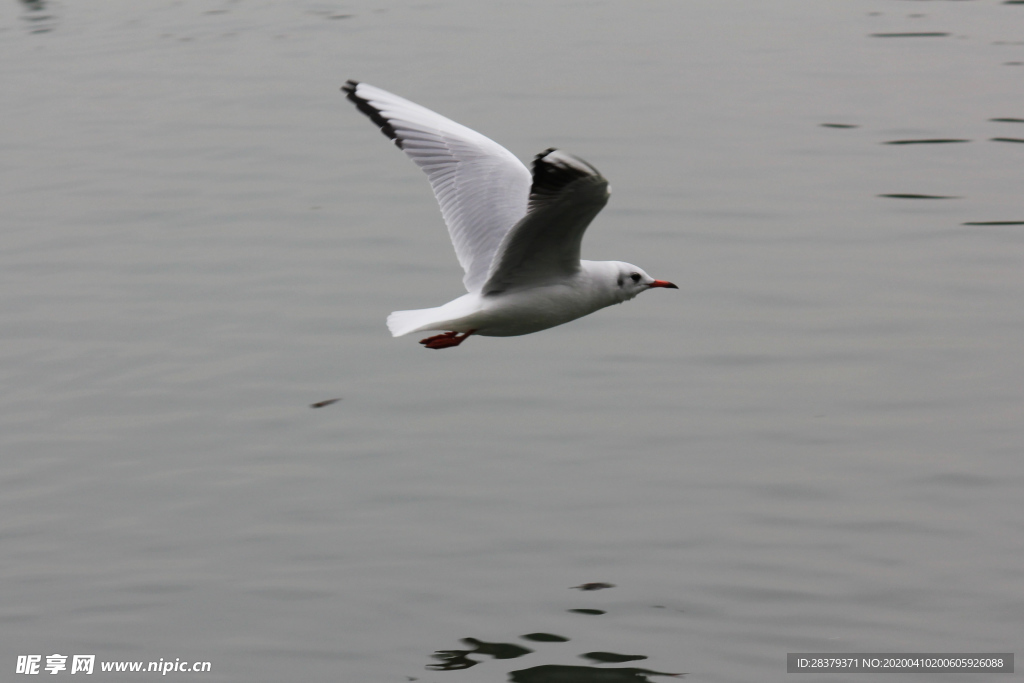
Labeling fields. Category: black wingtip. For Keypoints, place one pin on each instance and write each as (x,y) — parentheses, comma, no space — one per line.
(364,106)
(554,170)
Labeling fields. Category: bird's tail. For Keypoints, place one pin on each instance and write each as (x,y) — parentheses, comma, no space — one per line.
(403,322)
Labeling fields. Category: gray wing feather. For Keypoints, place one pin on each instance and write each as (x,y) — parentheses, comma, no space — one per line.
(566,194)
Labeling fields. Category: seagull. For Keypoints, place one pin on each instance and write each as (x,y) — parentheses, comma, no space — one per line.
(517,235)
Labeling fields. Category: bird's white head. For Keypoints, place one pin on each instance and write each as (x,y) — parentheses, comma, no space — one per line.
(631,280)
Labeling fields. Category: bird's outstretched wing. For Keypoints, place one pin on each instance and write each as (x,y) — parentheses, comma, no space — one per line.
(482,188)
(566,194)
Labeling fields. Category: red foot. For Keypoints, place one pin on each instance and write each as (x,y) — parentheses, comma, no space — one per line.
(446,340)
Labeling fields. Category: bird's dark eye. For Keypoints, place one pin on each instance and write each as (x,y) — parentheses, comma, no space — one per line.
(635,277)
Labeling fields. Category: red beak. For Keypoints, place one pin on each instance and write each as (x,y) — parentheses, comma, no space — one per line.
(663,283)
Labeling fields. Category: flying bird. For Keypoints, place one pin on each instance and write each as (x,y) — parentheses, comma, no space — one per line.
(517,235)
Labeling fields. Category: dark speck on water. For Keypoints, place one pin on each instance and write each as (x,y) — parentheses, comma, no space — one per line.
(612,657)
(917,196)
(934,34)
(321,404)
(936,141)
(545,638)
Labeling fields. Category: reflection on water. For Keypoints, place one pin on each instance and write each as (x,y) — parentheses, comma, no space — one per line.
(612,657)
(37,16)
(906,142)
(545,638)
(554,673)
(922,34)
(595,586)
(453,660)
(458,659)
(933,141)
(906,195)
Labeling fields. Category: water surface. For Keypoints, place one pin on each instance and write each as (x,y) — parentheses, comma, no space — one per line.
(815,445)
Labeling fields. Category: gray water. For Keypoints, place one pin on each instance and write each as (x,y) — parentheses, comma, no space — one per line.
(814,445)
